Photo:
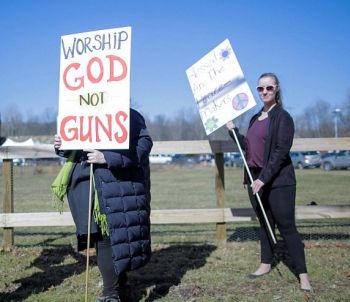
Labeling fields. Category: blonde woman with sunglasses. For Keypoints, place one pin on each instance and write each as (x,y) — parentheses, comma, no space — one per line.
(267,145)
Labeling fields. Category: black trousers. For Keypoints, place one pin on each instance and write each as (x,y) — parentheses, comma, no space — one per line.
(78,200)
(279,206)
(111,281)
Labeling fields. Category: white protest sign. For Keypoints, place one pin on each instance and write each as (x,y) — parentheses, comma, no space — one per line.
(94,89)
(219,87)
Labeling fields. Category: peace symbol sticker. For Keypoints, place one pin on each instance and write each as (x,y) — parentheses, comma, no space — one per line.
(240,101)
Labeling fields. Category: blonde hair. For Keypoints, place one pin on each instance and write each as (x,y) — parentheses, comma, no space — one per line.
(278,93)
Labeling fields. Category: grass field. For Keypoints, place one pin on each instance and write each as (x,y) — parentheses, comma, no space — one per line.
(187,262)
(185,187)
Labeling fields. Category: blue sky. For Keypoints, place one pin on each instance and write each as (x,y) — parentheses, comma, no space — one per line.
(305,42)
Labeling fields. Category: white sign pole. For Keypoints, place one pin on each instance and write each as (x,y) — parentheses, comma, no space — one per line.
(88,235)
(94,96)
(222,94)
(251,181)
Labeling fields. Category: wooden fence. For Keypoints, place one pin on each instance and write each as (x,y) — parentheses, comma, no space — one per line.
(219,215)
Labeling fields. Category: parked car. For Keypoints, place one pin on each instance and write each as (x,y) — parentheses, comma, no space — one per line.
(297,159)
(160,159)
(206,159)
(19,162)
(312,159)
(308,159)
(336,160)
(184,159)
(233,159)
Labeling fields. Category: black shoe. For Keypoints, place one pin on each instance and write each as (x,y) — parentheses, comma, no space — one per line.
(114,298)
(307,290)
(126,294)
(255,276)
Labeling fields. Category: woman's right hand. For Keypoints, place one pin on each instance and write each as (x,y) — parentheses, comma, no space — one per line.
(230,125)
(58,142)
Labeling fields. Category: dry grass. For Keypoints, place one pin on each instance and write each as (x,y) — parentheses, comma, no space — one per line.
(177,272)
(187,262)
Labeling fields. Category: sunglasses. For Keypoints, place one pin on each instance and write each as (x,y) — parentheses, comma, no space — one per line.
(268,88)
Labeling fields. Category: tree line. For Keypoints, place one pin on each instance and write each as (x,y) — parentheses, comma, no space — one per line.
(317,120)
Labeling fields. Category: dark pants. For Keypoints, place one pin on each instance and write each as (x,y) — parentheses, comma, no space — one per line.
(78,199)
(111,281)
(279,206)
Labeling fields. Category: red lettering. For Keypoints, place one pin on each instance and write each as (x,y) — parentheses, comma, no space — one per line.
(80,80)
(112,77)
(107,130)
(88,69)
(88,135)
(121,138)
(95,129)
(73,130)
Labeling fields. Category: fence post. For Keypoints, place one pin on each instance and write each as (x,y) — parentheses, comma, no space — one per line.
(220,194)
(8,201)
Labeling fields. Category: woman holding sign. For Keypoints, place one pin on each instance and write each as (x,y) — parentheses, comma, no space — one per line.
(267,145)
(120,229)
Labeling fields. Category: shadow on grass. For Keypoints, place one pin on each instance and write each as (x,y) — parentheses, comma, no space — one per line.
(49,241)
(53,272)
(281,254)
(167,267)
(240,234)
(324,232)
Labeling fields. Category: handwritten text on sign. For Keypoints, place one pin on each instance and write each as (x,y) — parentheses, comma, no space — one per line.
(219,87)
(94,95)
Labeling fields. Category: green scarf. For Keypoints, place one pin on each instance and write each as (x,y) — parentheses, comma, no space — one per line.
(59,189)
(60,184)
(100,218)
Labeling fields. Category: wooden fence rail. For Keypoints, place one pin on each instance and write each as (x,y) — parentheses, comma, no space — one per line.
(175,216)
(220,215)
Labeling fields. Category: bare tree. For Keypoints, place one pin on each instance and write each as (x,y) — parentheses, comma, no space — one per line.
(344,125)
(12,121)
(316,121)
(36,124)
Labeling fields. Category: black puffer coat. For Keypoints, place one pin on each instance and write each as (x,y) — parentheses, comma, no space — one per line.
(123,187)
